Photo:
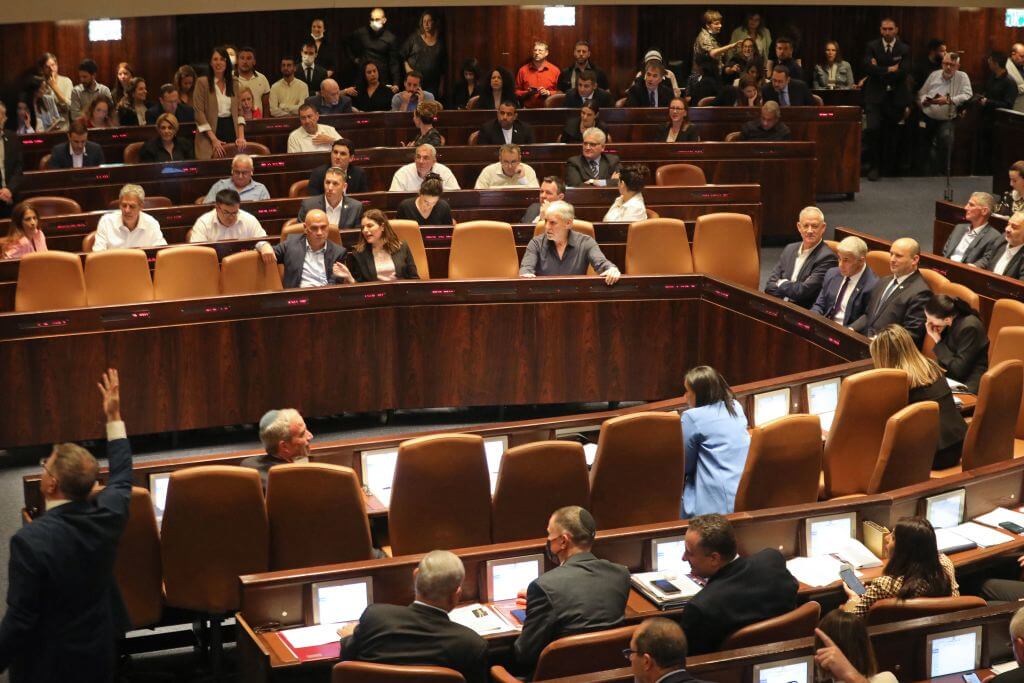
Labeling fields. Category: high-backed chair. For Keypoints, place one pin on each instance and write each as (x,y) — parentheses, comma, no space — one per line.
(733,136)
(117,276)
(482,249)
(578,224)
(409,232)
(364,672)
(534,480)
(621,102)
(293,227)
(724,247)
(474,138)
(833,245)
(908,447)
(44,162)
(251,148)
(555,100)
(933,278)
(878,262)
(866,402)
(786,451)
(639,459)
(441,495)
(680,175)
(138,568)
(50,280)
(583,654)
(1009,345)
(298,188)
(658,247)
(131,152)
(818,102)
(88,242)
(1005,313)
(186,272)
(46,205)
(472,102)
(960,292)
(150,202)
(245,273)
(889,610)
(651,213)
(798,623)
(706,101)
(329,494)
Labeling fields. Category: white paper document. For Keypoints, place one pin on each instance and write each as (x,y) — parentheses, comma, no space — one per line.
(815,571)
(982,535)
(999,515)
(1004,667)
(311,636)
(956,386)
(480,618)
(857,554)
(949,541)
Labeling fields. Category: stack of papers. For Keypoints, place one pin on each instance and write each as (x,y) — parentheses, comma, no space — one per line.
(1004,667)
(1000,515)
(644,583)
(480,618)
(815,571)
(311,636)
(949,541)
(982,536)
(856,553)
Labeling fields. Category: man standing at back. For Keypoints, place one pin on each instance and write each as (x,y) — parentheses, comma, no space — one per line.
(886,97)
(64,613)
(538,78)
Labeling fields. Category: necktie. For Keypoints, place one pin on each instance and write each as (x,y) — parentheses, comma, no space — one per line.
(885,295)
(653,97)
(586,102)
(888,50)
(309,74)
(784,98)
(839,299)
(594,167)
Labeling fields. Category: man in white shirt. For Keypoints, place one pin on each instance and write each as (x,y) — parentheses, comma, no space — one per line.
(344,212)
(848,286)
(408,178)
(974,242)
(942,93)
(508,171)
(1008,259)
(241,181)
(250,78)
(87,89)
(800,272)
(310,259)
(1015,69)
(287,94)
(311,135)
(226,221)
(129,227)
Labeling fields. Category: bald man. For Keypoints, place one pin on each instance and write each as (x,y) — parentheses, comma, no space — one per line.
(900,297)
(309,258)
(330,100)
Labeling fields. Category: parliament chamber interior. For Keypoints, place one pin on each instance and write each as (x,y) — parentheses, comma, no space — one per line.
(493,343)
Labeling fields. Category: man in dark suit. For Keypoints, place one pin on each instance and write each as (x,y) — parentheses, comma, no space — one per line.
(10,165)
(899,298)
(421,634)
(657,652)
(309,72)
(586,91)
(286,439)
(766,128)
(1008,258)
(341,210)
(330,100)
(847,287)
(506,129)
(77,152)
(571,75)
(798,275)
(787,91)
(653,91)
(551,189)
(1016,642)
(342,151)
(292,253)
(593,166)
(64,613)
(739,590)
(582,594)
(975,241)
(886,98)
(169,102)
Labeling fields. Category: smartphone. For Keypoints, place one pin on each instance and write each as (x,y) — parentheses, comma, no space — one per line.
(519,614)
(851,580)
(1012,527)
(972,678)
(666,587)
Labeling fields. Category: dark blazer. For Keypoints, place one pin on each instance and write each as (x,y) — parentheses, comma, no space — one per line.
(183,113)
(880,81)
(602,98)
(571,132)
(356,180)
(153,151)
(61,155)
(747,590)
(858,302)
(799,93)
(13,167)
(577,170)
(319,74)
(1015,268)
(64,612)
(363,268)
(417,635)
(752,131)
(127,116)
(680,676)
(952,427)
(979,253)
(688,135)
(1014,676)
(486,97)
(532,213)
(565,78)
(262,464)
(292,252)
(584,594)
(351,209)
(490,133)
(905,307)
(963,350)
(344,105)
(637,95)
(803,289)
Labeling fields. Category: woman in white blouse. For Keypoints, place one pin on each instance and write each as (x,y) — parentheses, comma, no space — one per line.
(630,205)
(215,100)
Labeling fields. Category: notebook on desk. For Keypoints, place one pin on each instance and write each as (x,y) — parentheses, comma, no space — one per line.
(335,604)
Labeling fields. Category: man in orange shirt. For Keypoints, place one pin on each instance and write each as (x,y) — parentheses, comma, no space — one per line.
(538,78)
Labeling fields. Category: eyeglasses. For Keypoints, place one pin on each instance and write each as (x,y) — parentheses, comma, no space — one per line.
(628,654)
(42,463)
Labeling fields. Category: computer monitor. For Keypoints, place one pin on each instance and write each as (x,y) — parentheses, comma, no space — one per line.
(494,448)
(667,554)
(796,670)
(771,405)
(822,399)
(946,509)
(825,535)
(339,601)
(158,484)
(378,468)
(507,576)
(954,651)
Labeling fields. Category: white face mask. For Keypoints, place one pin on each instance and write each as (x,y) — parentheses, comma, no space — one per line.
(376,25)
(307,61)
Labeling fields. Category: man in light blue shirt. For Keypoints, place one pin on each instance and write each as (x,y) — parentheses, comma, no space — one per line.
(412,95)
(240,181)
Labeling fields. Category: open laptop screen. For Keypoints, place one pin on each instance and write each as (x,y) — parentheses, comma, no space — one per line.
(954,651)
(796,670)
(508,576)
(339,601)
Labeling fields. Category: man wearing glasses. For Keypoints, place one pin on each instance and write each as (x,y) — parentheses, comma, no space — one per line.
(657,653)
(64,614)
(241,181)
(227,221)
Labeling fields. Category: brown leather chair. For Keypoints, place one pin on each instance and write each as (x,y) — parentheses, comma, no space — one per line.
(788,451)
(117,277)
(1005,313)
(908,448)
(651,213)
(890,609)
(409,232)
(680,175)
(251,148)
(328,494)
(131,152)
(474,138)
(150,202)
(245,273)
(866,402)
(639,459)
(733,136)
(555,100)
(583,654)
(88,242)
(833,245)
(53,206)
(364,672)
(44,162)
(138,567)
(186,272)
(706,101)
(1009,345)
(49,281)
(878,262)
(294,227)
(724,247)
(933,278)
(578,224)
(441,496)
(818,102)
(960,292)
(621,102)
(658,247)
(472,102)
(534,480)
(483,249)
(798,623)
(298,188)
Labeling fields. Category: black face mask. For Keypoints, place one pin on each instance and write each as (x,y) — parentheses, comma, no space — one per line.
(550,555)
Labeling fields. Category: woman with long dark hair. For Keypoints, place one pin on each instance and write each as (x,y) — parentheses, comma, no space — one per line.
(961,339)
(215,100)
(24,236)
(424,51)
(380,255)
(469,85)
(843,651)
(131,110)
(499,88)
(370,94)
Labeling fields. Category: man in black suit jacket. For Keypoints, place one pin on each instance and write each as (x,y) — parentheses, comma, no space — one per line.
(421,634)
(285,437)
(593,166)
(493,132)
(11,167)
(768,127)
(582,594)
(900,298)
(330,100)
(788,92)
(739,590)
(572,74)
(169,102)
(1016,638)
(308,71)
(657,652)
(1008,258)
(653,91)
(852,279)
(886,98)
(64,613)
(77,144)
(342,151)
(587,91)
(976,241)
(551,189)
(292,253)
(802,285)
(333,201)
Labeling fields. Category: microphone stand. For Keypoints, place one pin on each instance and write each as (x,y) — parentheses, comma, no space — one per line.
(948,195)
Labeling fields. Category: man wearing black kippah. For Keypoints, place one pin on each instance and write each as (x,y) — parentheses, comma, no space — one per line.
(581,594)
